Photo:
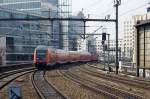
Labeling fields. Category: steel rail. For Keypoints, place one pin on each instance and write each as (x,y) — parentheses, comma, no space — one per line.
(109,91)
(9,73)
(44,89)
(133,82)
(88,86)
(18,74)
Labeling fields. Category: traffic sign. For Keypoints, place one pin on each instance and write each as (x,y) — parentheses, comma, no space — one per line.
(14,92)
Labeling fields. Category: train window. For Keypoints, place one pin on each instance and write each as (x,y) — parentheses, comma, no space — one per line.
(41,53)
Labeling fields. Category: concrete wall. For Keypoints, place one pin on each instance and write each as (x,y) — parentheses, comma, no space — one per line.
(137,18)
(3,51)
(141,47)
(147,46)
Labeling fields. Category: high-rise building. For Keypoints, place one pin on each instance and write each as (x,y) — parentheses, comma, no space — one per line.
(140,19)
(76,29)
(64,12)
(112,47)
(112,44)
(21,37)
(98,45)
(31,6)
(73,34)
(142,57)
(128,39)
(47,8)
(18,39)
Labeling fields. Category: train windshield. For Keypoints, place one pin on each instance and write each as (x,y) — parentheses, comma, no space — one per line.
(41,54)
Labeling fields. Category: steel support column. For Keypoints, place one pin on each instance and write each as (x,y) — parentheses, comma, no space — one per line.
(108,50)
(144,55)
(138,52)
(117,64)
(84,30)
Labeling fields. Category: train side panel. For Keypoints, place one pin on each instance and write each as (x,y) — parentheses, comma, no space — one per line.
(52,57)
(45,56)
(34,57)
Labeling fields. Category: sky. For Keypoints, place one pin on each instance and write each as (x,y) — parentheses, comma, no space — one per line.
(101,8)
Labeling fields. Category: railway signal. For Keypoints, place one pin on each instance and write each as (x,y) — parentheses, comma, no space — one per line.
(103,36)
(103,42)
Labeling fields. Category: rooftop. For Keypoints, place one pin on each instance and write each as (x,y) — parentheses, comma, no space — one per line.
(143,23)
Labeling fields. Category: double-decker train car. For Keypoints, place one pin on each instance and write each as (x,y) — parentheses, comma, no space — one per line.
(47,56)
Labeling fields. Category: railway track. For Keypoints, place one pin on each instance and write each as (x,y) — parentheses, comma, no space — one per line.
(126,80)
(113,67)
(7,77)
(8,73)
(110,92)
(44,89)
(15,67)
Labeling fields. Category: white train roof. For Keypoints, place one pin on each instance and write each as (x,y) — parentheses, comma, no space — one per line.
(62,51)
(43,47)
(80,52)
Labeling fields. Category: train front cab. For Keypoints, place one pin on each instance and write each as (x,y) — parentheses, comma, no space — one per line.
(40,58)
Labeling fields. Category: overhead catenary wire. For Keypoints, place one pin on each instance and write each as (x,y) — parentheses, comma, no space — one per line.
(108,4)
(108,11)
(94,4)
(131,10)
(98,3)
(126,2)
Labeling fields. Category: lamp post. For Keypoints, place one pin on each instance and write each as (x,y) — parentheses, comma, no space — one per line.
(108,49)
(103,43)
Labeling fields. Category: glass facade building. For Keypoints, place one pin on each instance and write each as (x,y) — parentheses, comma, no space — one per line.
(64,12)
(19,38)
(32,6)
(47,8)
(23,36)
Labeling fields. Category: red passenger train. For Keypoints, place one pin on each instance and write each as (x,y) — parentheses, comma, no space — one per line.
(47,56)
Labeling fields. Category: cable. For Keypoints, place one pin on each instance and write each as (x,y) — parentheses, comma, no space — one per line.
(131,1)
(94,4)
(132,10)
(109,10)
(98,2)
(127,2)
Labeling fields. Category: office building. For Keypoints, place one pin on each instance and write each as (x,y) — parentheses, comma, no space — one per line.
(141,56)
(47,8)
(143,46)
(19,38)
(129,39)
(76,31)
